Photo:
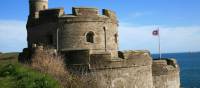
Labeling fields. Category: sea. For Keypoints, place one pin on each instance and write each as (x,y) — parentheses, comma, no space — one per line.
(189,67)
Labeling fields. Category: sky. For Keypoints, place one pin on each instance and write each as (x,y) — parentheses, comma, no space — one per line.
(178,21)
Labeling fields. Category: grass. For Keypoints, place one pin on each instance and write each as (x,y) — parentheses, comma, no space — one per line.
(16,75)
(34,75)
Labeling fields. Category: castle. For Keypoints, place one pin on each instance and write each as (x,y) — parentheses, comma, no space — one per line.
(89,39)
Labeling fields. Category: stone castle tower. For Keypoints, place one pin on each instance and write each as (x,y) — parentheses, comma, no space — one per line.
(81,30)
(37,5)
(90,40)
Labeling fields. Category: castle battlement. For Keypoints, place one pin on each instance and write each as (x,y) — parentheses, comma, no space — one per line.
(164,67)
(79,14)
(86,11)
(166,73)
(51,13)
(89,42)
(76,12)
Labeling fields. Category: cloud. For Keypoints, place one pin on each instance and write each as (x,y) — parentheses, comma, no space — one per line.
(173,39)
(12,35)
(139,14)
(134,37)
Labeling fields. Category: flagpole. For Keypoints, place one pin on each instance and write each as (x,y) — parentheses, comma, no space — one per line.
(159,47)
(157,33)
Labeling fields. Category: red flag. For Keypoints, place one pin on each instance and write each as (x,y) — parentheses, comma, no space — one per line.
(155,32)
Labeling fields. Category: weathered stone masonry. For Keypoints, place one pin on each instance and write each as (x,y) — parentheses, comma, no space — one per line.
(89,39)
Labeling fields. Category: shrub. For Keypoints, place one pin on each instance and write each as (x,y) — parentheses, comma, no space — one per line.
(7,70)
(47,62)
(28,81)
(53,64)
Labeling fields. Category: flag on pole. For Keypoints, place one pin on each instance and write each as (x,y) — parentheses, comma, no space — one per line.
(155,32)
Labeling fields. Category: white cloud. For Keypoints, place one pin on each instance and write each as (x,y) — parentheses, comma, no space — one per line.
(173,39)
(139,14)
(12,35)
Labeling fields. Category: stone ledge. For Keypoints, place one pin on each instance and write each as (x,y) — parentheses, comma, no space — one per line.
(131,59)
(164,67)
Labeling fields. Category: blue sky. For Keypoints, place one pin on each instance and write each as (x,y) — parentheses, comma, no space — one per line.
(179,22)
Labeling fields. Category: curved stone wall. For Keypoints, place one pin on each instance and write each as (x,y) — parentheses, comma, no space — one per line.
(73,32)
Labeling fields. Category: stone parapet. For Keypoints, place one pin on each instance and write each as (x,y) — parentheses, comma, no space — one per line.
(54,12)
(166,73)
(105,61)
(164,67)
(84,11)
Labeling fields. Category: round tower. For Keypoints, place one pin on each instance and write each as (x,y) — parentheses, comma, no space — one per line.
(36,5)
(86,29)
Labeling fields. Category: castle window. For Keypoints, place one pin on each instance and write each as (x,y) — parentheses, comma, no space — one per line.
(116,36)
(44,7)
(90,37)
(50,39)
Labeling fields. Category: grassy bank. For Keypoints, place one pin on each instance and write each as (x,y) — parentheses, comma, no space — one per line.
(16,75)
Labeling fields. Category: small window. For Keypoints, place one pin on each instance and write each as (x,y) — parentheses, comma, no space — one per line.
(90,37)
(104,28)
(44,7)
(116,38)
(50,39)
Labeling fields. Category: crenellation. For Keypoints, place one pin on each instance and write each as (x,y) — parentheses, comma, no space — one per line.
(109,13)
(89,42)
(50,13)
(84,11)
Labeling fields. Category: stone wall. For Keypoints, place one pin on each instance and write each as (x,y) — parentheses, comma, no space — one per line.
(120,73)
(73,36)
(135,70)
(78,57)
(131,77)
(166,74)
(73,32)
(80,11)
(42,34)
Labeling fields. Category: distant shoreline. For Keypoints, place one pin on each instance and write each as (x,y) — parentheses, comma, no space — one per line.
(177,52)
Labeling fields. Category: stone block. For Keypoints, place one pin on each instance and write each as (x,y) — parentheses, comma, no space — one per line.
(136,58)
(83,11)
